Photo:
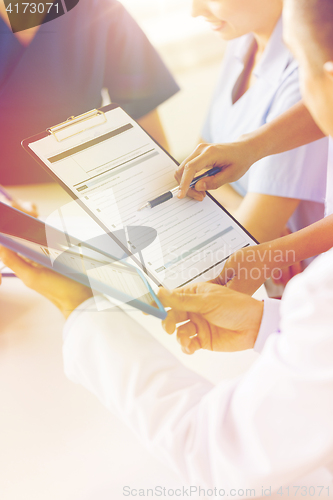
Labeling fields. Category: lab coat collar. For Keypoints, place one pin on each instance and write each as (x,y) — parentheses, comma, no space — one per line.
(276,57)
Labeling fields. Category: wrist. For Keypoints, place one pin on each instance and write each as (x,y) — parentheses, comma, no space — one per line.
(257,315)
(254,145)
(269,323)
(276,254)
(247,318)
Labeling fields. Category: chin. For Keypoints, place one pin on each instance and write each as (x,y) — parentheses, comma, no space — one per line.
(226,32)
(227,36)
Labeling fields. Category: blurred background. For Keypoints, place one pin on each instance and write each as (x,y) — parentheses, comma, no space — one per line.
(193,54)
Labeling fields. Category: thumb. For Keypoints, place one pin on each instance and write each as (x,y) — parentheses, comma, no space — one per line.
(14,262)
(213,182)
(201,185)
(192,298)
(181,299)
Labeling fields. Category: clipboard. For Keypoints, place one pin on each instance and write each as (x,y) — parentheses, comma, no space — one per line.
(64,131)
(68,147)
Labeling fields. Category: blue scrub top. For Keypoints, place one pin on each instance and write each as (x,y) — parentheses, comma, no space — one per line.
(61,73)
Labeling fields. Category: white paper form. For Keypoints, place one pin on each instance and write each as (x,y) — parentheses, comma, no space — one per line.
(115,168)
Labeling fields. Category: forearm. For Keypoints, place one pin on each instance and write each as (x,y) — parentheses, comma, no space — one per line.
(291,130)
(265,216)
(304,244)
(228,197)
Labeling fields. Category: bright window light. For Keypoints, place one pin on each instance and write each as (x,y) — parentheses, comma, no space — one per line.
(165,21)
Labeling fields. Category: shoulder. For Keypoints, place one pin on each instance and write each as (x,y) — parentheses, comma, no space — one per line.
(107,22)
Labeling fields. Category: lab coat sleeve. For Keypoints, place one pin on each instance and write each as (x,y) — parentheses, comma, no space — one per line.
(269,427)
(269,323)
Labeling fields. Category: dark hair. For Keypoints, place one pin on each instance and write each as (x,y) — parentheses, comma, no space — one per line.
(318,15)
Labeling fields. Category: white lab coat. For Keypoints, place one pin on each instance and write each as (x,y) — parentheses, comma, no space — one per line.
(300,173)
(329,194)
(268,428)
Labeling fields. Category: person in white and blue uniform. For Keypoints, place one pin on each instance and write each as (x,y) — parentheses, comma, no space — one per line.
(284,189)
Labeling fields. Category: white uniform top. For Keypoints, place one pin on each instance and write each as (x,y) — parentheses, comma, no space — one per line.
(269,427)
(300,173)
(329,195)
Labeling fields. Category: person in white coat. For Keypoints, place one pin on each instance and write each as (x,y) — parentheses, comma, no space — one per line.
(273,425)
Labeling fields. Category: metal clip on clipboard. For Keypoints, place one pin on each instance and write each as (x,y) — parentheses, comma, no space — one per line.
(75,123)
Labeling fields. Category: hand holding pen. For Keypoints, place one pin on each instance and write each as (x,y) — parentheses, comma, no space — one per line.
(234,159)
(173,192)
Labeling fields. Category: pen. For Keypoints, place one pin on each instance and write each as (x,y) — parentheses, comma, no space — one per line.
(170,194)
(5,194)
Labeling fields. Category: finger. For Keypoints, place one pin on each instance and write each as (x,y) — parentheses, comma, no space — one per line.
(213,182)
(179,172)
(21,268)
(203,339)
(188,298)
(190,169)
(188,338)
(208,157)
(184,332)
(152,304)
(173,317)
(217,281)
(225,277)
(34,210)
(195,334)
(189,172)
(177,175)
(201,186)
(196,195)
(26,207)
(31,262)
(12,260)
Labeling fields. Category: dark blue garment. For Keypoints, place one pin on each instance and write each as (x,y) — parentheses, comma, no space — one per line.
(61,73)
